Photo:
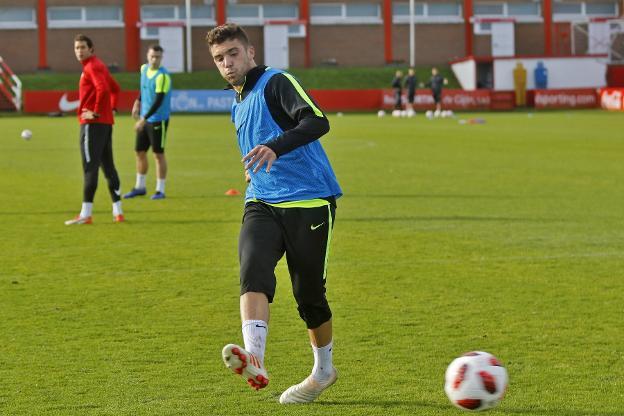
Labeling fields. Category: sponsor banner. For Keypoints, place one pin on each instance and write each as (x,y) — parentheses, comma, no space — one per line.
(182,101)
(612,98)
(451,99)
(220,101)
(574,98)
(202,101)
(67,101)
(352,100)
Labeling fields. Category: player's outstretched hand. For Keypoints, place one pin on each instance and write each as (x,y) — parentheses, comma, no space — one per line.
(258,156)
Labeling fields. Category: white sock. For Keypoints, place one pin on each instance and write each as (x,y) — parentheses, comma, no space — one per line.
(117,208)
(254,336)
(140,181)
(323,362)
(86,210)
(160,185)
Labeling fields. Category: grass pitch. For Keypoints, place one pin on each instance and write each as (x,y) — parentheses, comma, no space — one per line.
(505,237)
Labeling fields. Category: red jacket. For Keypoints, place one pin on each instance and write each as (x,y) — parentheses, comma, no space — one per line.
(98,91)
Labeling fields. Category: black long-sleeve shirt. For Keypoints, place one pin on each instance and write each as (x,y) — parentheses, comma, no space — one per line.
(436,82)
(397,83)
(293,110)
(410,83)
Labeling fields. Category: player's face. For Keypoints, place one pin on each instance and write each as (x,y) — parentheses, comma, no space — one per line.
(234,60)
(82,50)
(154,58)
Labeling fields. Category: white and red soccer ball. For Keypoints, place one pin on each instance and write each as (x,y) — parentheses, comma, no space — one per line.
(475,381)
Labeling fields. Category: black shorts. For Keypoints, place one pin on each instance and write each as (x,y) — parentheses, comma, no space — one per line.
(437,96)
(154,135)
(410,96)
(304,234)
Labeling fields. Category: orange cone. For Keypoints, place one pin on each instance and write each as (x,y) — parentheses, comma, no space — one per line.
(232,192)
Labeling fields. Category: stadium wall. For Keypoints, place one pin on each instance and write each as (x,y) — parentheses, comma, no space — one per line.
(435,43)
(347,45)
(347,41)
(63,58)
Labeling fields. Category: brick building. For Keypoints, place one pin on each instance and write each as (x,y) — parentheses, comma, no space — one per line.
(37,34)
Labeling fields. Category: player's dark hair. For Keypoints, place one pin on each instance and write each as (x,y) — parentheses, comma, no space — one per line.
(223,33)
(156,48)
(84,38)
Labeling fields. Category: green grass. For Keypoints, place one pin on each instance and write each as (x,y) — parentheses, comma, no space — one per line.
(317,78)
(505,237)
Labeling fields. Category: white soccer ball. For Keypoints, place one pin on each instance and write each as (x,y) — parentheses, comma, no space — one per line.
(411,113)
(396,113)
(26,134)
(429,114)
(381,113)
(475,381)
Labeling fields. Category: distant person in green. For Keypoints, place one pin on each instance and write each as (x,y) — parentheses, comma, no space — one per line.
(151,110)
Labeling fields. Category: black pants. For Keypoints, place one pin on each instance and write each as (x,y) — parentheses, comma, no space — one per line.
(304,234)
(397,99)
(96,149)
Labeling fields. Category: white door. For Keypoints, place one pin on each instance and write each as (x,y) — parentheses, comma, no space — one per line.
(599,38)
(276,46)
(171,40)
(503,42)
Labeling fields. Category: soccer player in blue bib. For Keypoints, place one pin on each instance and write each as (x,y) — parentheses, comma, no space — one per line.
(152,110)
(290,206)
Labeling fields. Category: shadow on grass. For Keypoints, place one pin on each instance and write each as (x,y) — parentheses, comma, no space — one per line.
(441,196)
(450,218)
(446,407)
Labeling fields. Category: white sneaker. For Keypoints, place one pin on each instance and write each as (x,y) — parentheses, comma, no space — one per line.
(308,390)
(79,220)
(246,364)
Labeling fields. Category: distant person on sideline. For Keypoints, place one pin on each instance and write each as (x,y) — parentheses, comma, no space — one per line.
(410,85)
(98,93)
(290,208)
(151,110)
(436,82)
(397,86)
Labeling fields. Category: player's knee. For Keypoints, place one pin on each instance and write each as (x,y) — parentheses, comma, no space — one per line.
(315,314)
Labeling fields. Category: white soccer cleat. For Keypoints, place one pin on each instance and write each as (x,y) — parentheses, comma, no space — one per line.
(79,220)
(242,362)
(308,390)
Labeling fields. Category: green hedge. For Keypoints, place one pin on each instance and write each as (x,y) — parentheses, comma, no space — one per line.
(317,78)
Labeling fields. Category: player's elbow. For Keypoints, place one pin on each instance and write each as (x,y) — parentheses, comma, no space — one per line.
(323,126)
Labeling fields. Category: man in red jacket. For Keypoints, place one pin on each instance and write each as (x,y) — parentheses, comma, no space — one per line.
(98,99)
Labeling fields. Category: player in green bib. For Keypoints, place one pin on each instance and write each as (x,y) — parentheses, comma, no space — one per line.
(290,210)
(151,110)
